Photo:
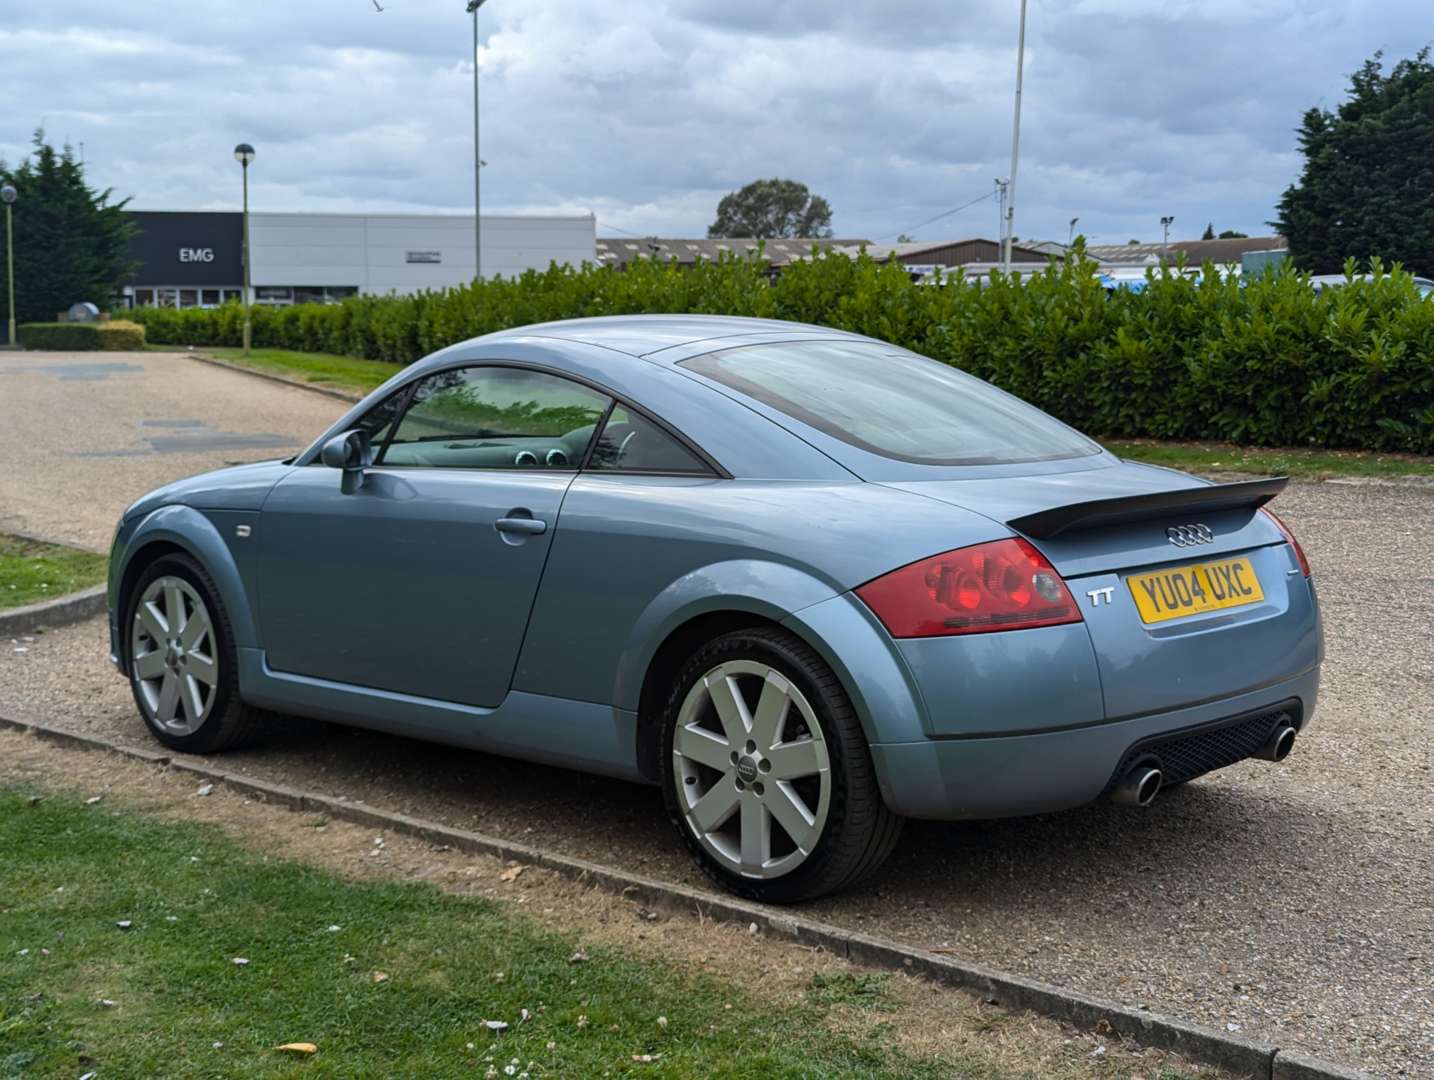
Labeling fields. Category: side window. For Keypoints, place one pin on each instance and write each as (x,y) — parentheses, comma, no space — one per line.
(496,418)
(632,443)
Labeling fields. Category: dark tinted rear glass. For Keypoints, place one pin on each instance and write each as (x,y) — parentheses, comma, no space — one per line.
(893,403)
(632,443)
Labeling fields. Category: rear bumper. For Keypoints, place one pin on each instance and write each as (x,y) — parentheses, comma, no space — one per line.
(1010,776)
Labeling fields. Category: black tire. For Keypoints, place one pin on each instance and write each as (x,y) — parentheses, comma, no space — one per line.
(229,722)
(860,831)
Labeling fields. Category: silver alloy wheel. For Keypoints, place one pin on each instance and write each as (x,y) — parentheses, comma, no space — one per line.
(173,655)
(751,768)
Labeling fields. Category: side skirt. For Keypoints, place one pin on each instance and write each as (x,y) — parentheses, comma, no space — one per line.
(580,735)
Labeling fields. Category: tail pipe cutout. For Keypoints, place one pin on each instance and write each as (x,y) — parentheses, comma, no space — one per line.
(1142,782)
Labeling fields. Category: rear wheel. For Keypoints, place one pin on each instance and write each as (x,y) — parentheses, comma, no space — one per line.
(767,774)
(183,668)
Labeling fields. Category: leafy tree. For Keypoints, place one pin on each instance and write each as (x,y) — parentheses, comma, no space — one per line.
(1368,180)
(772,208)
(71,242)
(1209,233)
(1232,234)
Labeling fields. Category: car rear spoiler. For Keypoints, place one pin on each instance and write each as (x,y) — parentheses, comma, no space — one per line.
(1251,494)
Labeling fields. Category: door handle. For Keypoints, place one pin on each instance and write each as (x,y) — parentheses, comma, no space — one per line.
(525,526)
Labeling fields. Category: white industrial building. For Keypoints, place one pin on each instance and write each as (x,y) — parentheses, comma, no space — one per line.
(189,259)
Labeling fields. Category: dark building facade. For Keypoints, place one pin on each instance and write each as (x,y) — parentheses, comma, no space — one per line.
(186,258)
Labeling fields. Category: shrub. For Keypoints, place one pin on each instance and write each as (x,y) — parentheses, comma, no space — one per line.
(60,336)
(1262,361)
(114,335)
(119,335)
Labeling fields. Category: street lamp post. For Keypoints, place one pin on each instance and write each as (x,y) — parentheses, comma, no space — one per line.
(1015,142)
(1000,214)
(244,153)
(1070,233)
(1165,224)
(473,6)
(7,196)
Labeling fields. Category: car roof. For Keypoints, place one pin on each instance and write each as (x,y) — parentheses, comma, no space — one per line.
(640,335)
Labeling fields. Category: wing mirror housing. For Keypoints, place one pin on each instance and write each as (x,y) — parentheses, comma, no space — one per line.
(350,452)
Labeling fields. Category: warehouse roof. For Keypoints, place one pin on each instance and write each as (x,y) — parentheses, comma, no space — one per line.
(1219,252)
(943,252)
(618,251)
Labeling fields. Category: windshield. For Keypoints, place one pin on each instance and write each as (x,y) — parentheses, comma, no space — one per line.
(893,403)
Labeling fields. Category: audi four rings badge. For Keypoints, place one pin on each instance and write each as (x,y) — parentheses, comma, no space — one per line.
(1190,535)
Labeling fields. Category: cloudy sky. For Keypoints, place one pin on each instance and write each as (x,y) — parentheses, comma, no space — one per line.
(645,114)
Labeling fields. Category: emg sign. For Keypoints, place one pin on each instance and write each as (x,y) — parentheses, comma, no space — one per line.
(193,249)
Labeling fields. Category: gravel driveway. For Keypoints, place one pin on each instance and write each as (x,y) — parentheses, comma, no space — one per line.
(1292,902)
(87,433)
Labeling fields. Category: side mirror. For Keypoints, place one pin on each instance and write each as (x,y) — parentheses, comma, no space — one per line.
(351,453)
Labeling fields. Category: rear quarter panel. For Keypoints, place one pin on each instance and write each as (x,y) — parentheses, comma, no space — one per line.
(636,556)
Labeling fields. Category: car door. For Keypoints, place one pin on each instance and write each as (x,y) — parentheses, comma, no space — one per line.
(421,580)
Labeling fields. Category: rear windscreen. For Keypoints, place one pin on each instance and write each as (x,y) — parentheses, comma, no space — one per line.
(893,403)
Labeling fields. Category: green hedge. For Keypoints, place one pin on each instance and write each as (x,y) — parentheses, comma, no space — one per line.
(117,335)
(1265,362)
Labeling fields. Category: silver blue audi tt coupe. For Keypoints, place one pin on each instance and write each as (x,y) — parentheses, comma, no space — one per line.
(808,583)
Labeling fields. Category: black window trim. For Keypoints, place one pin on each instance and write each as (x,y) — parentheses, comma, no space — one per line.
(405,399)
(406,391)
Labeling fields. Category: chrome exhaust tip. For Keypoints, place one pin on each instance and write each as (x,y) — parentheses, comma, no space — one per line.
(1139,786)
(1279,744)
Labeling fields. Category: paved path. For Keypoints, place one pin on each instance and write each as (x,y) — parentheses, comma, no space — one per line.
(84,434)
(1293,901)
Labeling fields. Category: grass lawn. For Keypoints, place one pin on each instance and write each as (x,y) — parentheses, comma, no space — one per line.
(1300,464)
(324,369)
(122,935)
(31,571)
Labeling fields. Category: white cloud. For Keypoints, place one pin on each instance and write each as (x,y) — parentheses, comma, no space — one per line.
(647,114)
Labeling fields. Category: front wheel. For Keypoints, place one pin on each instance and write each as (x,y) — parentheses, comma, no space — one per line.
(767,775)
(182,663)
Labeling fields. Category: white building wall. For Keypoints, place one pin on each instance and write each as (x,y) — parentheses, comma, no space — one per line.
(392,253)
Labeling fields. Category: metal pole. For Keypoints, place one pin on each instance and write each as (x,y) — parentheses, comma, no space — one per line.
(477,161)
(1015,141)
(245,245)
(1000,214)
(10,278)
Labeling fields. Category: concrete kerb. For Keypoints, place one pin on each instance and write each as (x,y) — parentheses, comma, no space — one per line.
(1242,1056)
(61,611)
(342,395)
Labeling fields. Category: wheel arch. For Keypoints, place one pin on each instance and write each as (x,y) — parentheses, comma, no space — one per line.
(666,661)
(837,626)
(183,530)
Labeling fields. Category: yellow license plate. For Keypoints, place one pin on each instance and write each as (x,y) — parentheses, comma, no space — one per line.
(1190,590)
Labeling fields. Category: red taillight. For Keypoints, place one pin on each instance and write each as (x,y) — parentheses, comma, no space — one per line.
(1003,585)
(1299,551)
